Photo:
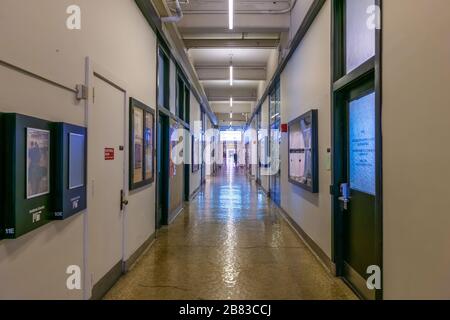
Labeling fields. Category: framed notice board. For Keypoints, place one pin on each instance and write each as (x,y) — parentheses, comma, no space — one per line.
(142,145)
(27,174)
(70,161)
(303,167)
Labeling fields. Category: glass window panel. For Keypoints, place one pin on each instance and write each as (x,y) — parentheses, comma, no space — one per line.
(161,80)
(360,39)
(362,144)
(76,160)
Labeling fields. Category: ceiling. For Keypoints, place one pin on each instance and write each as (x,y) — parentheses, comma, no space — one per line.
(212,48)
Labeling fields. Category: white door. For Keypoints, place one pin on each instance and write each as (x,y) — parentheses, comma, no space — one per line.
(106,171)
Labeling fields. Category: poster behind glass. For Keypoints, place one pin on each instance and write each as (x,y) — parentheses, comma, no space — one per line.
(303,151)
(38,162)
(149,150)
(76,160)
(138,145)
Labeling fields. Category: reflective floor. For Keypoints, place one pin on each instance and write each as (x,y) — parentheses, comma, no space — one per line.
(230,243)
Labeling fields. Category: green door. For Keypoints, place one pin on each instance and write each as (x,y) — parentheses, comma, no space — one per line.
(163,171)
(358,194)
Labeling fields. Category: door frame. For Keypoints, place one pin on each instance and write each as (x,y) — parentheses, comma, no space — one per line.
(340,84)
(160,165)
(94,70)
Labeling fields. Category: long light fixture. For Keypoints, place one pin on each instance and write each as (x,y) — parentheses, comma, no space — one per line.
(231,75)
(231,101)
(230,14)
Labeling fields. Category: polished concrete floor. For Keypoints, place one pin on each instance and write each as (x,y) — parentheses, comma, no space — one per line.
(229,243)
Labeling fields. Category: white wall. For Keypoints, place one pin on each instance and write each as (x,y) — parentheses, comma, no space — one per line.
(116,36)
(416,157)
(305,85)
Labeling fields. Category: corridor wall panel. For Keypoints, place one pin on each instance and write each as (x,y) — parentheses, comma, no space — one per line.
(305,86)
(416,157)
(124,45)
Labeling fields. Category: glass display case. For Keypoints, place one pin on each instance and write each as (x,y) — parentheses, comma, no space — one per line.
(303,145)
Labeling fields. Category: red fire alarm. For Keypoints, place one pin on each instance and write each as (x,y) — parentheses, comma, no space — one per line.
(284,127)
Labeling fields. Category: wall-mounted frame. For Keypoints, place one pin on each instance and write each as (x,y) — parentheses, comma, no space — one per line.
(196,144)
(70,162)
(303,151)
(141,145)
(27,174)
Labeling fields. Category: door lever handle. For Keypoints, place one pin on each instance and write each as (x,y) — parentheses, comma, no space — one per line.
(345,195)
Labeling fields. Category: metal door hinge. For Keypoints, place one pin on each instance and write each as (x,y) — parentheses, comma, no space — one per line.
(82,92)
(123,201)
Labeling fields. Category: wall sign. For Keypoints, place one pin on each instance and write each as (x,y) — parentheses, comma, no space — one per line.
(109,154)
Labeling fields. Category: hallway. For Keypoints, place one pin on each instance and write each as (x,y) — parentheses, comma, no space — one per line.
(229,243)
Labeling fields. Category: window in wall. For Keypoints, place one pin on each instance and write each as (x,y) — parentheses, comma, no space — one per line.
(183,100)
(163,80)
(359,33)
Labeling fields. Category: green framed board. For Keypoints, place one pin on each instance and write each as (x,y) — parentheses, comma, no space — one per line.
(26,165)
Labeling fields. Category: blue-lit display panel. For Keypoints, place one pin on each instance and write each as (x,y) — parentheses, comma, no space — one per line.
(77,156)
(362,144)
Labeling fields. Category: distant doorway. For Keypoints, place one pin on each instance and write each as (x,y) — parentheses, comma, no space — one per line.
(162,216)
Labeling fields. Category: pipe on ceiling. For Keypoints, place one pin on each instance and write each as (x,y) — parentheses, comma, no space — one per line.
(288,10)
(176,18)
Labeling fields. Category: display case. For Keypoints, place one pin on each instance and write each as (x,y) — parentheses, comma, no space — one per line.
(142,151)
(69,177)
(26,165)
(303,152)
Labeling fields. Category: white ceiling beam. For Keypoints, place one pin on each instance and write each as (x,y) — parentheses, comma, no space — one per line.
(243,23)
(223,73)
(231,43)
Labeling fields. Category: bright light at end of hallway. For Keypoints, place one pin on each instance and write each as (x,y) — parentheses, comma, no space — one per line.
(231,75)
(230,14)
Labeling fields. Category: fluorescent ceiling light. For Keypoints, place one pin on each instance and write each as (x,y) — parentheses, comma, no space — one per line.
(231,101)
(230,14)
(231,75)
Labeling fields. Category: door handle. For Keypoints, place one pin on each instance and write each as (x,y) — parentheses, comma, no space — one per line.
(123,201)
(345,195)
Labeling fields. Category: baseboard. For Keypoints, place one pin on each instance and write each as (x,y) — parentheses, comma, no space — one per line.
(174,215)
(128,264)
(358,284)
(311,244)
(107,282)
(195,193)
(112,276)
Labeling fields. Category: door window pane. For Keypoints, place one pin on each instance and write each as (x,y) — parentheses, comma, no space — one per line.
(360,36)
(362,144)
